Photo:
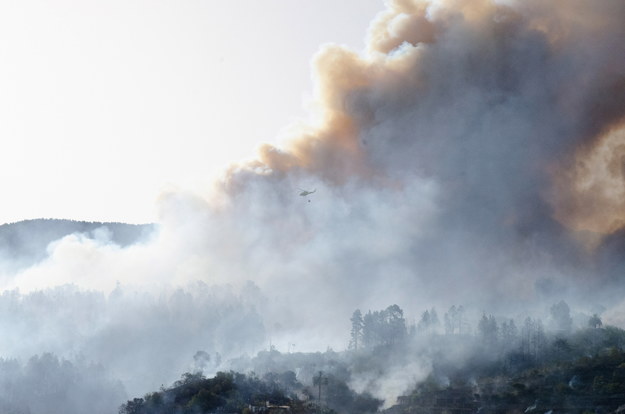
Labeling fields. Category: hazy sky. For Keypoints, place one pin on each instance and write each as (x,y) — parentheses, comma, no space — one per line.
(473,156)
(103,104)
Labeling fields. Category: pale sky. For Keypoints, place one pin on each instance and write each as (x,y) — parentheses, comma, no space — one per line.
(103,104)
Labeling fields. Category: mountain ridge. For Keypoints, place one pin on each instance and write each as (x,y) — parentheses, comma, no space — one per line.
(24,243)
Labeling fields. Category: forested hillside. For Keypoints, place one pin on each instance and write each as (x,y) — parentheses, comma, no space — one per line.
(488,366)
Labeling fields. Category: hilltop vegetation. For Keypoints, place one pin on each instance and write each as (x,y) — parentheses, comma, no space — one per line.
(230,392)
(582,373)
(431,367)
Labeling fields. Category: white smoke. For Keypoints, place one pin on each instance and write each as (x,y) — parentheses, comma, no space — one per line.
(442,163)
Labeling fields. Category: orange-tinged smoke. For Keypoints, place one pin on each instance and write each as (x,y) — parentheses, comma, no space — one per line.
(589,190)
(504,50)
(330,149)
(459,159)
(403,22)
(471,142)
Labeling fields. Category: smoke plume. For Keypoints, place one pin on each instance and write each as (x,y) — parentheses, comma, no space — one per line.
(474,145)
(473,153)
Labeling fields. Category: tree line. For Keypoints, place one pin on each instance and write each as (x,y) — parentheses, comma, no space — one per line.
(388,327)
(377,328)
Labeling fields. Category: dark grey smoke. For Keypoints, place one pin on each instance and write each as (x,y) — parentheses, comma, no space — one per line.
(471,155)
(453,148)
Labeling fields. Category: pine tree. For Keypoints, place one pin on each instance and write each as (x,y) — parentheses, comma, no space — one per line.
(357,330)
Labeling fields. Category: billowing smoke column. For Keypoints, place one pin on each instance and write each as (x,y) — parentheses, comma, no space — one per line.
(473,154)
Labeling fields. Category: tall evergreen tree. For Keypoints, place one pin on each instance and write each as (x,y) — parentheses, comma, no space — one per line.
(368,330)
(356,340)
(396,325)
(434,322)
(509,333)
(488,329)
(425,322)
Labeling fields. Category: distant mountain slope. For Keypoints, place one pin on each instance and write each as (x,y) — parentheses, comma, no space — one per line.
(24,243)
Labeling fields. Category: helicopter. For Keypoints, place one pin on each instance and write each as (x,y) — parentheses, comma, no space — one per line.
(304,193)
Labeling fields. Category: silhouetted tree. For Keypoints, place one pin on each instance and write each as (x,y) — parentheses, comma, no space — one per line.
(429,321)
(385,327)
(488,329)
(595,321)
(449,323)
(369,330)
(357,330)
(424,322)
(434,322)
(396,325)
(539,339)
(508,333)
(318,381)
(454,320)
(533,339)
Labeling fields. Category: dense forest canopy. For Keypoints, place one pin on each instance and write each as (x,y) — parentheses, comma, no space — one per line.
(485,367)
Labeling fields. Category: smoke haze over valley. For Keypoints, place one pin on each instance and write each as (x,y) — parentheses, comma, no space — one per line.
(471,155)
